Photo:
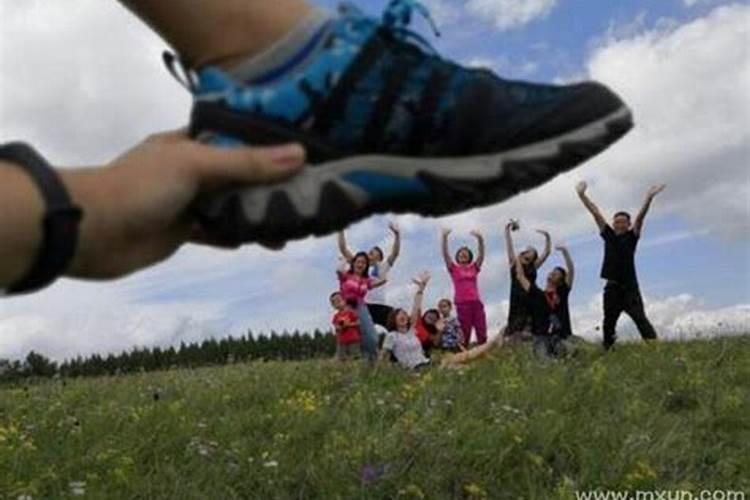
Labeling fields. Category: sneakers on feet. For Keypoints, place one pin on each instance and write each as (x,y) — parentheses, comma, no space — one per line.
(390,126)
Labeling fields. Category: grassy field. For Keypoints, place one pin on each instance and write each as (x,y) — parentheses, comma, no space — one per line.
(659,416)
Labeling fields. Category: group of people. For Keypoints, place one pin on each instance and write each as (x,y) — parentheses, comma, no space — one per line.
(538,314)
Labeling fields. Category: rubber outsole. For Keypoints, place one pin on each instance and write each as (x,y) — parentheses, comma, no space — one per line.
(320,201)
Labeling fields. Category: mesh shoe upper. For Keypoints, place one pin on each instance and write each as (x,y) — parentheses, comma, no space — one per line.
(375,87)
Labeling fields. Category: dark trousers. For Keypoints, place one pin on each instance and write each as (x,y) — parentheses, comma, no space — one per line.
(618,299)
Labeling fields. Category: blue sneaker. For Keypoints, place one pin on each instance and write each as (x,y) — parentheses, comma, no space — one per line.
(390,126)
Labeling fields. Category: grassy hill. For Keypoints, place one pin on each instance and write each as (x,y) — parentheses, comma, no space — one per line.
(664,416)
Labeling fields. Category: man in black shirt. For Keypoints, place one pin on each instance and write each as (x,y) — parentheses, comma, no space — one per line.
(621,293)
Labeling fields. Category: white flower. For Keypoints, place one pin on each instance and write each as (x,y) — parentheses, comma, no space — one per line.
(24,497)
(271,463)
(77,488)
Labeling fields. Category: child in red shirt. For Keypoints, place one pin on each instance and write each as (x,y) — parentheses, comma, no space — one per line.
(346,325)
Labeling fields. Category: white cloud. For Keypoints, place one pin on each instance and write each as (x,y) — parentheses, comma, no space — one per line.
(83,81)
(677,317)
(509,14)
(684,86)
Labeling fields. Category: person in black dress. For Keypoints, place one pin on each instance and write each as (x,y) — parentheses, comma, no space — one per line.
(519,315)
(621,292)
(549,308)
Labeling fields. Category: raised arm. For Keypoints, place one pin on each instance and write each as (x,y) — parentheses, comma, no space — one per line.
(650,195)
(396,248)
(444,246)
(509,243)
(547,248)
(343,248)
(421,282)
(593,209)
(570,268)
(480,245)
(521,275)
(378,283)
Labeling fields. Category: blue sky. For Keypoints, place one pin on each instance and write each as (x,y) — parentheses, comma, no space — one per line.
(678,63)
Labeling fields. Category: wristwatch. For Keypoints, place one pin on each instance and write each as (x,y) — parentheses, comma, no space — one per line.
(59,225)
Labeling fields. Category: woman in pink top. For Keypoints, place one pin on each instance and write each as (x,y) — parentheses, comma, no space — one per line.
(354,285)
(464,272)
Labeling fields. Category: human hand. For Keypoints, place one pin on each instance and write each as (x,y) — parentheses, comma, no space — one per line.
(137,209)
(654,190)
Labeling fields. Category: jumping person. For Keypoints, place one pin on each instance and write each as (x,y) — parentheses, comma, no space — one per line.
(621,292)
(346,325)
(379,268)
(549,307)
(464,272)
(519,315)
(354,285)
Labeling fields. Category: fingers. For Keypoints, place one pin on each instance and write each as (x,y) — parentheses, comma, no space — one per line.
(247,165)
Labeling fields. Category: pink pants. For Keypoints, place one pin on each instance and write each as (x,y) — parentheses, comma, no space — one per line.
(471,316)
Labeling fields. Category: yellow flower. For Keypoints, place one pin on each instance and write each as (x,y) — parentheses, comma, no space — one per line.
(473,490)
(411,491)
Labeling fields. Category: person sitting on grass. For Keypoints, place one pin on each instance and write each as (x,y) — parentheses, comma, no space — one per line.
(429,331)
(346,326)
(549,307)
(519,315)
(401,341)
(354,285)
(452,335)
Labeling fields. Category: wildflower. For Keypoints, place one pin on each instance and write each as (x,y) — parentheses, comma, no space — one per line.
(473,490)
(411,491)
(271,464)
(24,497)
(511,409)
(77,488)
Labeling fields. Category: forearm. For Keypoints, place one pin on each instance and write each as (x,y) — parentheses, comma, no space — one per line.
(547,250)
(480,257)
(396,249)
(643,211)
(593,209)
(417,306)
(509,245)
(446,254)
(21,218)
(342,246)
(101,227)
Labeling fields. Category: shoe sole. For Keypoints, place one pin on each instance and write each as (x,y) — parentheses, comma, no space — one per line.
(320,200)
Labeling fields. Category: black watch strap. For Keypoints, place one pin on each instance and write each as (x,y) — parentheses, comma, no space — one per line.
(60,224)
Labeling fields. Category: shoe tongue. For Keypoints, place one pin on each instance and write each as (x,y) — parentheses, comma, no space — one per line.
(213,80)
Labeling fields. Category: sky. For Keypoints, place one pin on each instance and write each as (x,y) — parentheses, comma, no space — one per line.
(82,80)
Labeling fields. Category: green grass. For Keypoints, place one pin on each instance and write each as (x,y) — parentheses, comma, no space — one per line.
(658,416)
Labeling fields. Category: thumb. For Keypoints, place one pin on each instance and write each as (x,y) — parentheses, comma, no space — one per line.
(249,165)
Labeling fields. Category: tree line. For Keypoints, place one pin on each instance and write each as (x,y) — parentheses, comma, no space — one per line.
(227,350)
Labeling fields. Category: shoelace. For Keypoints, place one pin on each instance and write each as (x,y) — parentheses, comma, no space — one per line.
(396,19)
(398,16)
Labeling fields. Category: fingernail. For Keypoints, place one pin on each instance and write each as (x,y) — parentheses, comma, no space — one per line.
(287,155)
